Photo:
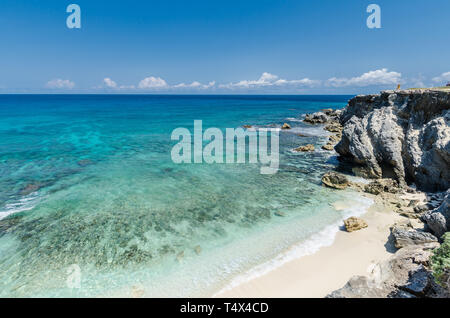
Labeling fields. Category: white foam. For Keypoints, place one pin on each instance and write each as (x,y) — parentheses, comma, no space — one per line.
(310,246)
(24,204)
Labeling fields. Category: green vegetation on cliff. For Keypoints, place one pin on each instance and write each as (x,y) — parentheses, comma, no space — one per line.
(440,262)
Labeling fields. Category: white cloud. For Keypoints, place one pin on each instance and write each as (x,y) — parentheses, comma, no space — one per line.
(109,83)
(152,82)
(372,78)
(196,85)
(442,78)
(267,80)
(60,84)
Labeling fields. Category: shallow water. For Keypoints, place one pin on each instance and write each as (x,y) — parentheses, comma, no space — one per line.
(88,180)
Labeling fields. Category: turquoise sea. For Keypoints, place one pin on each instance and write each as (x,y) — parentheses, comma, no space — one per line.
(87,180)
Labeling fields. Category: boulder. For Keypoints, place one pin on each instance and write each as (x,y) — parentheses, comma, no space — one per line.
(335,180)
(286,126)
(404,236)
(307,148)
(353,224)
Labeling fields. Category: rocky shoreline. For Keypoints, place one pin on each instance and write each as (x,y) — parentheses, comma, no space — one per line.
(401,139)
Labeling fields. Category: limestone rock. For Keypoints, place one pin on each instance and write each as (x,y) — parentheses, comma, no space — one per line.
(316,118)
(438,220)
(406,236)
(353,224)
(328,147)
(382,185)
(401,134)
(307,148)
(335,180)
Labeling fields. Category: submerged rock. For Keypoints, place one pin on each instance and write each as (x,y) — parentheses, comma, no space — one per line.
(353,224)
(30,188)
(335,180)
(279,213)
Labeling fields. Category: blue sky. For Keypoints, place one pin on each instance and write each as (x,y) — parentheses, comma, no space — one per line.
(222,46)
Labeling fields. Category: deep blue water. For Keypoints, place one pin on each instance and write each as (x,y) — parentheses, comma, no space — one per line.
(88,180)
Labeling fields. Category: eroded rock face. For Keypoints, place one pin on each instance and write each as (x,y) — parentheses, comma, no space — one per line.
(335,180)
(402,134)
(353,224)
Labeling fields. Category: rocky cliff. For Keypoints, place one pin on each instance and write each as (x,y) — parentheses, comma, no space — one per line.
(404,135)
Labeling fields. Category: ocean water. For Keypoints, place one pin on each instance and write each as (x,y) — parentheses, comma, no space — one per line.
(88,181)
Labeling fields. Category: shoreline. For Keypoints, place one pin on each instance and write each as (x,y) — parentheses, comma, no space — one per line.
(318,274)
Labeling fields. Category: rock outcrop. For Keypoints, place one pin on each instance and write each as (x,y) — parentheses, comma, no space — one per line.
(405,275)
(335,180)
(307,148)
(404,236)
(403,134)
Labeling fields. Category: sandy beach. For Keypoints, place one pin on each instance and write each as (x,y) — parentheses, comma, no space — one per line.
(317,275)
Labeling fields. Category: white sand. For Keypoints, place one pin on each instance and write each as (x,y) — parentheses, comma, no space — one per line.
(331,267)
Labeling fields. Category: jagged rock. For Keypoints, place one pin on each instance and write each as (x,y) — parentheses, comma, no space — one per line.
(286,126)
(403,134)
(334,138)
(405,236)
(316,118)
(438,220)
(382,185)
(334,128)
(335,180)
(307,148)
(402,269)
(419,282)
(328,147)
(421,208)
(353,224)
